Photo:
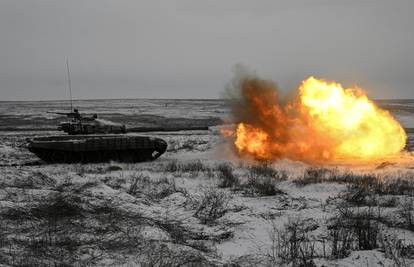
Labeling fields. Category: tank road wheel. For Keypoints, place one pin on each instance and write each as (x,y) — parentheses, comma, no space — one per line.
(82,157)
(58,156)
(40,153)
(49,156)
(143,155)
(89,157)
(109,155)
(155,154)
(105,156)
(69,157)
(160,148)
(73,157)
(43,154)
(76,157)
(127,156)
(93,156)
(85,157)
(97,156)
(115,156)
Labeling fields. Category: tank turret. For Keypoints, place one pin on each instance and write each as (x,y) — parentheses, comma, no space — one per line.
(81,124)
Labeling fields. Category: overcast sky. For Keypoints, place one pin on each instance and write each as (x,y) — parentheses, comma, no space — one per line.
(186,49)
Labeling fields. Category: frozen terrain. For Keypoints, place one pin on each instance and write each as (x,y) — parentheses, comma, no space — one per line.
(199,204)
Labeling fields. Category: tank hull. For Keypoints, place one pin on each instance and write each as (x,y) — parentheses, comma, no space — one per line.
(98,148)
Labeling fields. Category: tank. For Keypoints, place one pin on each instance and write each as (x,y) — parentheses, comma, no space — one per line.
(97,148)
(81,124)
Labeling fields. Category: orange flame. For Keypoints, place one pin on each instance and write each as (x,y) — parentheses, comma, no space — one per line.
(325,123)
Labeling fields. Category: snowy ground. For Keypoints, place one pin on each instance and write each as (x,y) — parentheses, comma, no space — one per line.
(199,205)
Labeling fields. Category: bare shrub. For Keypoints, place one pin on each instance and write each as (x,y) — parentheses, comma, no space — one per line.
(162,255)
(167,187)
(407,212)
(266,171)
(75,228)
(36,179)
(226,176)
(114,182)
(368,183)
(154,189)
(388,201)
(172,166)
(313,176)
(211,205)
(400,186)
(395,249)
(44,235)
(262,181)
(113,168)
(359,196)
(58,207)
(192,167)
(265,186)
(136,181)
(352,230)
(323,175)
(381,185)
(261,187)
(403,185)
(367,190)
(80,170)
(292,244)
(85,186)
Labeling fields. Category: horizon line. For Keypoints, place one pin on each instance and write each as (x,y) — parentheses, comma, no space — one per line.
(129,98)
(141,98)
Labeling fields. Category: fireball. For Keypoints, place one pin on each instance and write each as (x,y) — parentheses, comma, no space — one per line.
(325,123)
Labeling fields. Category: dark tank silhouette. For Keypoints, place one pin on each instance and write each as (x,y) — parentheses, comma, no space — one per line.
(97,148)
(92,140)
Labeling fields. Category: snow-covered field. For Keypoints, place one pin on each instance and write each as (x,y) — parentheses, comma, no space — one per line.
(199,204)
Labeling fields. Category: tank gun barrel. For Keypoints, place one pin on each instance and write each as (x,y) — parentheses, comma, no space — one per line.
(59,113)
(67,114)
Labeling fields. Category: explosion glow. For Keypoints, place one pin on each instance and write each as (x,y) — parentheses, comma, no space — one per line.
(325,123)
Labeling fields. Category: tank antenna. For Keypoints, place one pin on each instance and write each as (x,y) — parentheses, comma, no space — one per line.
(69,84)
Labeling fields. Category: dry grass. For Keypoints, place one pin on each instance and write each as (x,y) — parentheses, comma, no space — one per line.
(210,205)
(69,226)
(395,249)
(226,176)
(266,171)
(401,185)
(292,244)
(351,229)
(193,167)
(407,212)
(262,180)
(154,189)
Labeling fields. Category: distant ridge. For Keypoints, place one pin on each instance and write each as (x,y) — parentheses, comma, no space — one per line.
(103,99)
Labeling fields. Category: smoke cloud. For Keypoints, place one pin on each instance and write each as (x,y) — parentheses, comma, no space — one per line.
(323,122)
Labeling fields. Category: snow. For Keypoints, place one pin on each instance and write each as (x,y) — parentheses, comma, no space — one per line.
(406,120)
(242,234)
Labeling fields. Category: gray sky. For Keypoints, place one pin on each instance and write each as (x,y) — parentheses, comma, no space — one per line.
(186,49)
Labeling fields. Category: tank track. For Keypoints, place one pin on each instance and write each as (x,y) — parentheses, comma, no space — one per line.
(139,150)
